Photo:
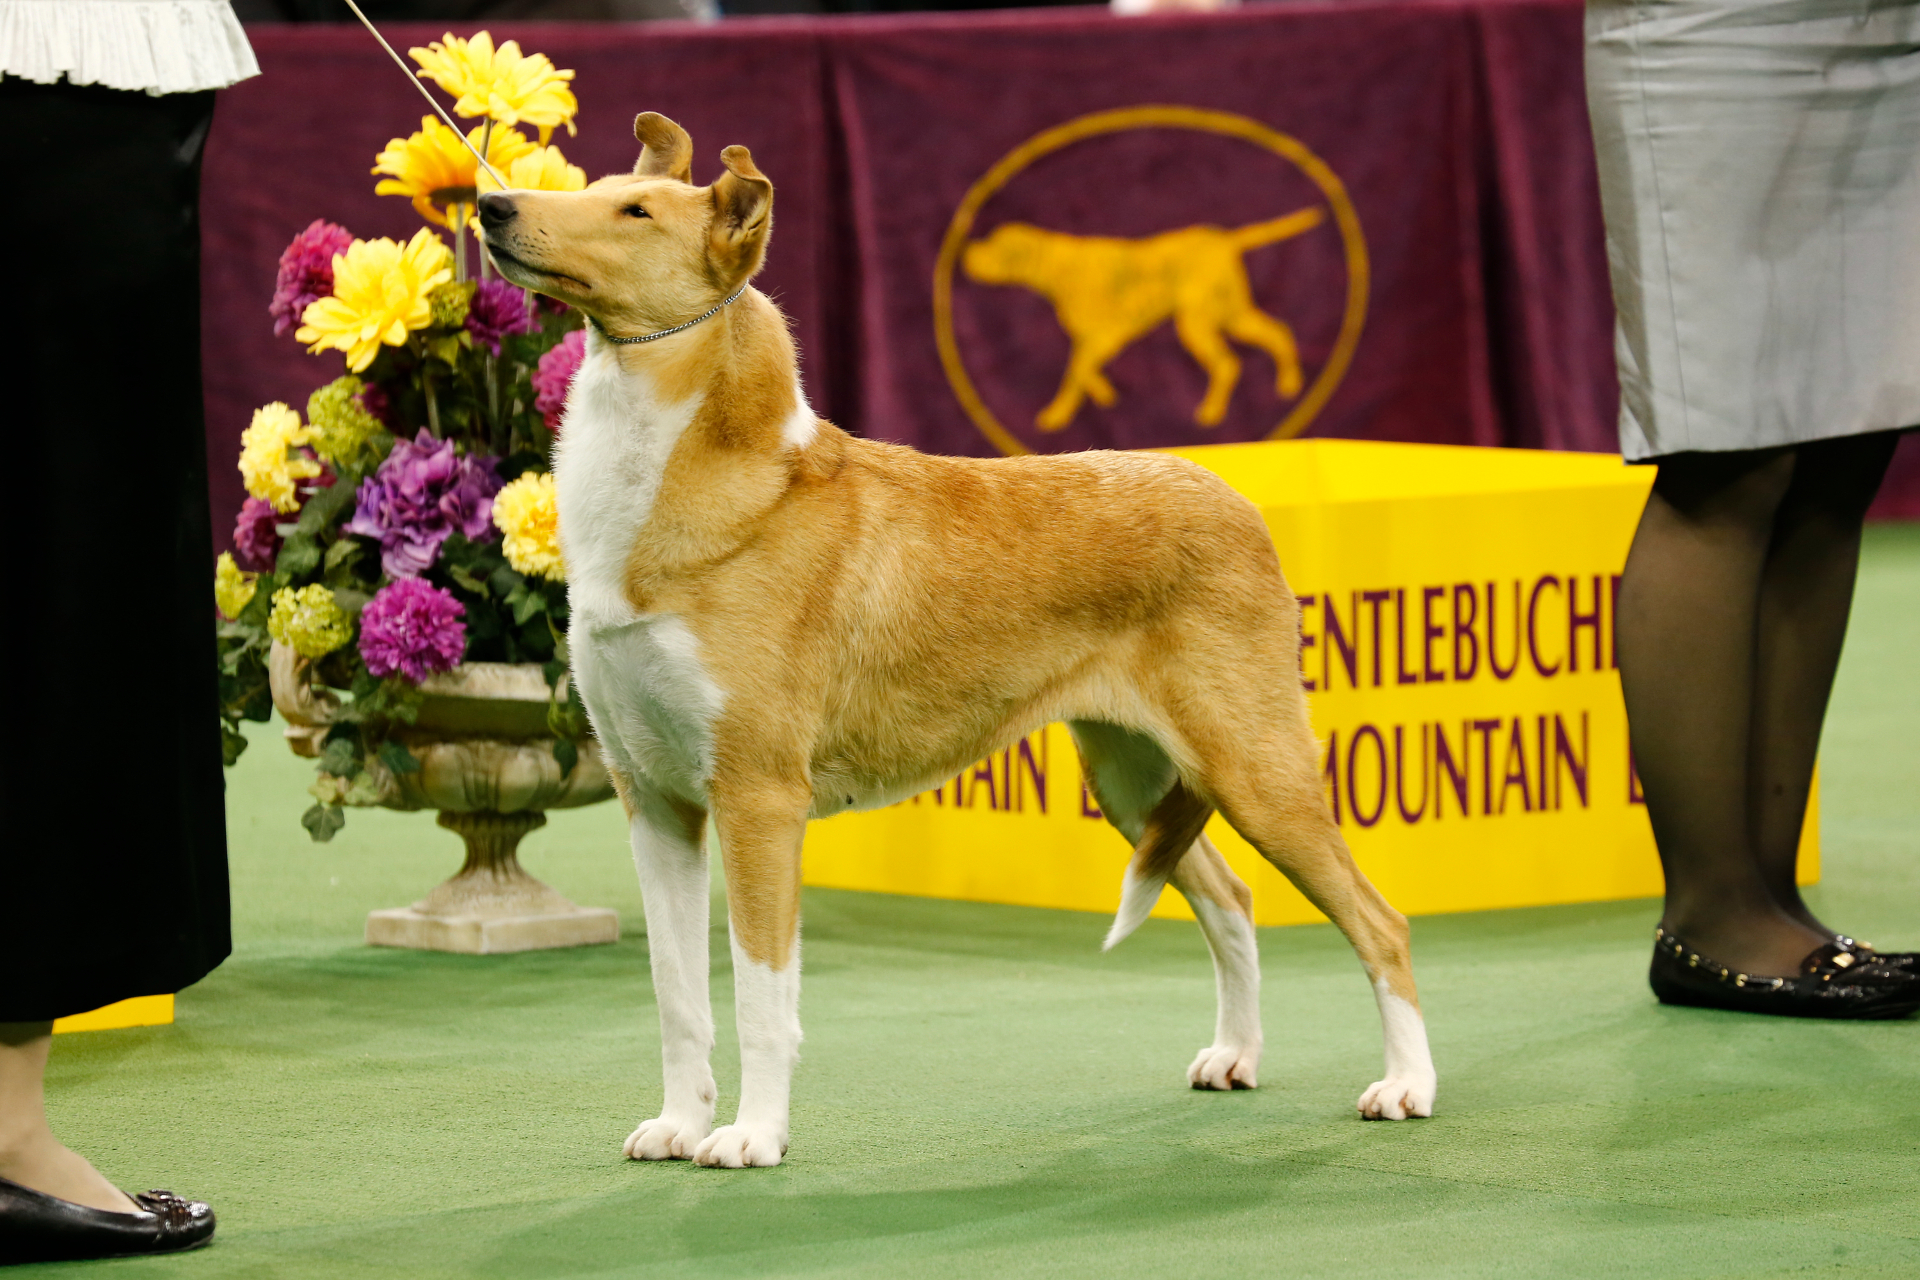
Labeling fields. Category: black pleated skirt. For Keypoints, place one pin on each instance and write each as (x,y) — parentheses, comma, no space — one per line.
(113,864)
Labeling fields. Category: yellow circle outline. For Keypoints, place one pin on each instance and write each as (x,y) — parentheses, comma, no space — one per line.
(1116,121)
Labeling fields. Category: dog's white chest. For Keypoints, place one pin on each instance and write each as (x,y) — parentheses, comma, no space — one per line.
(652,700)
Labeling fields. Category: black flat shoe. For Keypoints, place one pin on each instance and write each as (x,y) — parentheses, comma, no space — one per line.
(1903,961)
(1834,982)
(36,1227)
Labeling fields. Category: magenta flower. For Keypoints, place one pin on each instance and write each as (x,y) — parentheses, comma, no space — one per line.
(555,374)
(497,310)
(422,494)
(412,627)
(256,544)
(375,402)
(306,272)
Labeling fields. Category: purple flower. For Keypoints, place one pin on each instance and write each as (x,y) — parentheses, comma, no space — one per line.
(255,543)
(555,374)
(497,309)
(414,628)
(306,272)
(422,494)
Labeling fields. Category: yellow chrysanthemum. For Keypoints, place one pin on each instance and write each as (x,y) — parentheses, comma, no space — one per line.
(502,84)
(380,290)
(233,587)
(541,169)
(268,464)
(528,517)
(309,620)
(436,170)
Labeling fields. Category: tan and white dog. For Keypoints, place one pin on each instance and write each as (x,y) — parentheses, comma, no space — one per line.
(774,621)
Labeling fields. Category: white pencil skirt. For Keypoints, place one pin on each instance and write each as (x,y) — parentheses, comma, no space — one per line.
(1760,175)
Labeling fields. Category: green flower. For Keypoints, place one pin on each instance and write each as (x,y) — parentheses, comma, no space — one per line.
(343,432)
(309,620)
(450,302)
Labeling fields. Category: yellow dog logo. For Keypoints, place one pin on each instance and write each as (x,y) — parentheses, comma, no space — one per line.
(1110,292)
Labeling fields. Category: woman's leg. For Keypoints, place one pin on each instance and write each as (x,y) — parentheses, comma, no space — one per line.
(1806,591)
(29,1153)
(1689,612)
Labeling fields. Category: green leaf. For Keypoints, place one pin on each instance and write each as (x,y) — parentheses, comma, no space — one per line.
(322,821)
(232,745)
(340,552)
(467,580)
(525,604)
(342,757)
(299,556)
(505,582)
(566,755)
(397,758)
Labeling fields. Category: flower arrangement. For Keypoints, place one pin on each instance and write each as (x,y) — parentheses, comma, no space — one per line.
(408,525)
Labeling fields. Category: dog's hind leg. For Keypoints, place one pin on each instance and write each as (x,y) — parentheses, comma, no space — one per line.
(1140,793)
(1223,904)
(1258,329)
(1261,769)
(669,854)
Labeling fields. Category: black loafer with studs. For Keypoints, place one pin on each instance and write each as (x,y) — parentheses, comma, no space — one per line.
(1904,961)
(1834,982)
(36,1227)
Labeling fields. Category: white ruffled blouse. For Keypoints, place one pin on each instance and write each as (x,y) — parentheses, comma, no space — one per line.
(161,46)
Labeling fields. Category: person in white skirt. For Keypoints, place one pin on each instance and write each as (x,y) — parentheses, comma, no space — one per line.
(1760,175)
(107,105)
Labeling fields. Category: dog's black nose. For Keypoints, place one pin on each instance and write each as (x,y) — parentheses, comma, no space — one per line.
(496,209)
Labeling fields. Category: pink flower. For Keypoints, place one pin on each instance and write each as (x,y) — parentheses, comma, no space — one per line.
(256,542)
(555,375)
(306,272)
(375,402)
(412,627)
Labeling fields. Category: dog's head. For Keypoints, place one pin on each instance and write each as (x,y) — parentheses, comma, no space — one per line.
(642,251)
(1013,253)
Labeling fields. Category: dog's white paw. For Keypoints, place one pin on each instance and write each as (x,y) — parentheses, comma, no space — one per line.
(739,1146)
(665,1138)
(1224,1066)
(1398,1097)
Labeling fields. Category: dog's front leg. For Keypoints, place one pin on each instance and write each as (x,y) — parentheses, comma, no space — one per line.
(669,853)
(761,824)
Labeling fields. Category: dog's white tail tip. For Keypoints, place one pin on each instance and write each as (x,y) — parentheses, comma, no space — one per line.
(1137,899)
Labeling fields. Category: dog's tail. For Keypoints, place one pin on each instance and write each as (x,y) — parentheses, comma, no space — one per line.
(1259,233)
(1172,827)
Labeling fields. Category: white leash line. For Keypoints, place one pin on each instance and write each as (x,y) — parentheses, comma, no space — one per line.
(415,80)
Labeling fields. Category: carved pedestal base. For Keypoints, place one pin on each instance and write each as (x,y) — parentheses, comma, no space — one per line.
(493,905)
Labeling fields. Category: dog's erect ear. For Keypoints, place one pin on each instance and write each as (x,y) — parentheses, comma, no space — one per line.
(742,215)
(665,149)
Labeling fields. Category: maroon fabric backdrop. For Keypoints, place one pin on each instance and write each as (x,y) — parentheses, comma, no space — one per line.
(1457,128)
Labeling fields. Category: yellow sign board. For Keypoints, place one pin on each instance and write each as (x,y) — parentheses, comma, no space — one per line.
(1457,644)
(139,1011)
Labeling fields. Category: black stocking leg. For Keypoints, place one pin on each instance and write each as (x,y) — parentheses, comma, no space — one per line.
(1806,590)
(1689,607)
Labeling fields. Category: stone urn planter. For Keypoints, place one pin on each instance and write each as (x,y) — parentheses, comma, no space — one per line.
(487,765)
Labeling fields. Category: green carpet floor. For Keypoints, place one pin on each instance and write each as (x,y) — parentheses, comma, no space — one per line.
(985,1093)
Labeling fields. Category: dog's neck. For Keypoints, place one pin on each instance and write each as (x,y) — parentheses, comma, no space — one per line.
(674,451)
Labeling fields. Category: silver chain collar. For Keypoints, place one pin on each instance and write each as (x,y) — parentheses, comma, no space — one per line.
(668,333)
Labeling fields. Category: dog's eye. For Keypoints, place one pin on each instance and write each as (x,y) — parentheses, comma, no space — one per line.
(635,211)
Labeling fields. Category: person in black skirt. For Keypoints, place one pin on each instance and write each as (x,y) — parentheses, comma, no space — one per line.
(115,748)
